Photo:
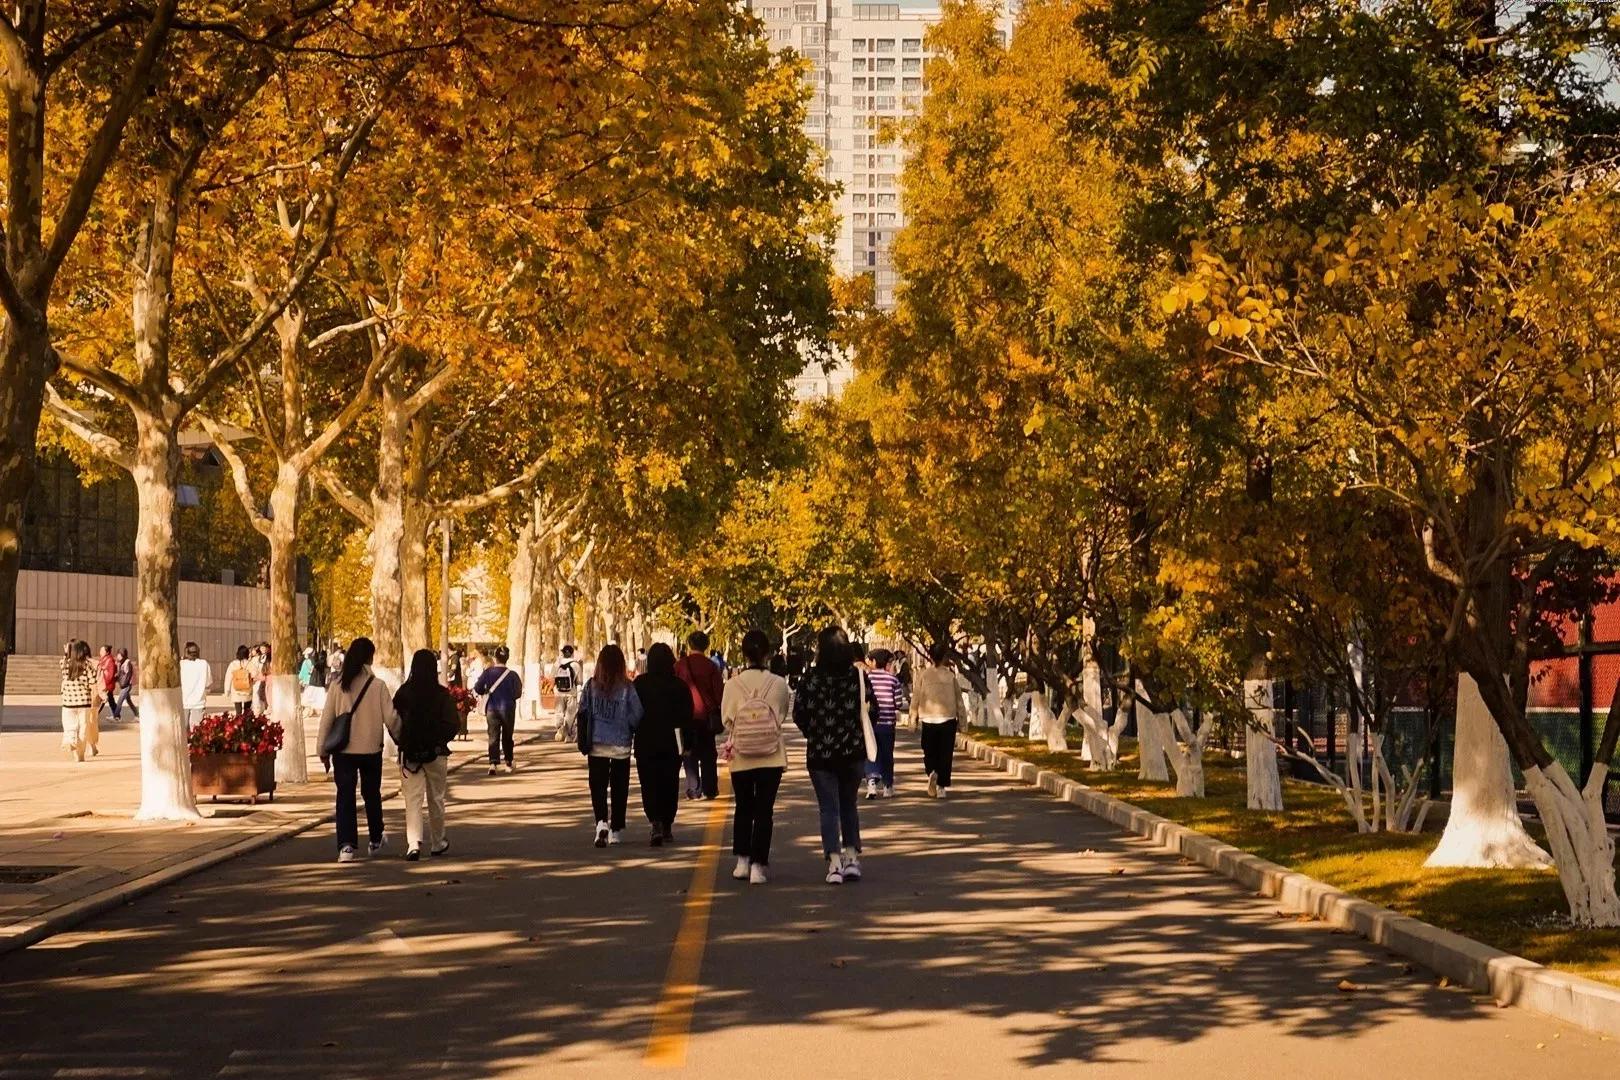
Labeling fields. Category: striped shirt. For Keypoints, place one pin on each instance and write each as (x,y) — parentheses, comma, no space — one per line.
(886,688)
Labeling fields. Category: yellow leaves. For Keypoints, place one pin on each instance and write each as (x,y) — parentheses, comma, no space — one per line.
(1501,213)
(1330,277)
(1215,328)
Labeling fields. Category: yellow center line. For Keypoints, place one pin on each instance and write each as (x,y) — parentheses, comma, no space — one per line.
(672,1022)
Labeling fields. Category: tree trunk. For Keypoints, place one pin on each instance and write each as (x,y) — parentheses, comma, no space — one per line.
(22,389)
(1484,828)
(165,754)
(1153,740)
(520,596)
(1579,835)
(1187,755)
(292,762)
(416,627)
(1260,745)
(387,535)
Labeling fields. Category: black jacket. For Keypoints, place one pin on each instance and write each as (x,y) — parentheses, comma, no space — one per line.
(827,708)
(427,722)
(666,704)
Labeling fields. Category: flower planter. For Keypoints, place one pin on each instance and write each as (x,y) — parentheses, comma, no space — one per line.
(548,699)
(235,776)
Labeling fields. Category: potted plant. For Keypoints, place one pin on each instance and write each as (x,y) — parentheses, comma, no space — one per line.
(548,693)
(235,756)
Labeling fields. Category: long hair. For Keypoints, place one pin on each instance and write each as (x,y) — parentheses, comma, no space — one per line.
(421,687)
(362,650)
(611,670)
(660,659)
(78,659)
(833,653)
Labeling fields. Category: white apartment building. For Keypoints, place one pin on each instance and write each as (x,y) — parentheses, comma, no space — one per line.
(868,65)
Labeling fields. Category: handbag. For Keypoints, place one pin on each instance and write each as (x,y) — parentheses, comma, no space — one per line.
(337,736)
(866,718)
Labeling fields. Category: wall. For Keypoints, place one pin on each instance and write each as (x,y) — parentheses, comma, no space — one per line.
(52,607)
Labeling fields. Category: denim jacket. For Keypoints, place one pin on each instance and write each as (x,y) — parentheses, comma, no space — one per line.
(613,716)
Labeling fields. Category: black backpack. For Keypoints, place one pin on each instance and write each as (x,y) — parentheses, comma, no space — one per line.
(564,679)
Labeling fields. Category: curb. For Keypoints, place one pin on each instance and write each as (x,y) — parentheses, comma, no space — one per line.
(1509,979)
(20,935)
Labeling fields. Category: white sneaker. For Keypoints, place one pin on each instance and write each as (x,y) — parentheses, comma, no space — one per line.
(374,846)
(756,874)
(871,789)
(933,785)
(888,792)
(510,768)
(347,854)
(835,870)
(944,791)
(616,836)
(601,834)
(740,871)
(852,867)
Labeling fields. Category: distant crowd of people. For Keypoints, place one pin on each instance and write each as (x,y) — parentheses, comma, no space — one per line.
(88,685)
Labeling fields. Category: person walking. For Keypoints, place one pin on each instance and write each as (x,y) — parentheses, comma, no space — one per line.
(566,680)
(500,688)
(886,691)
(666,710)
(936,702)
(196,677)
(834,707)
(239,681)
(753,711)
(357,713)
(124,683)
(107,682)
(609,713)
(707,686)
(334,661)
(428,720)
(80,702)
(261,676)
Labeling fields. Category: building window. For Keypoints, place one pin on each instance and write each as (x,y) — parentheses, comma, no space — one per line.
(911,65)
(858,64)
(911,84)
(885,219)
(858,84)
(881,64)
(804,12)
(885,45)
(858,44)
(911,45)
(885,102)
(883,84)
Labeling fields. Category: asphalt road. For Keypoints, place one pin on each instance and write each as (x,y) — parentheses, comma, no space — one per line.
(1000,933)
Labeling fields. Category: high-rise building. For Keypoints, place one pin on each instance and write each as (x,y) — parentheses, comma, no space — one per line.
(867,68)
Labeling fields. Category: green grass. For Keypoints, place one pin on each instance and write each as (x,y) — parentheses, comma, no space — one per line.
(1514,910)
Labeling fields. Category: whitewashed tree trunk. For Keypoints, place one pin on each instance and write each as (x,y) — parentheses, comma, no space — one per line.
(1187,754)
(1057,736)
(416,631)
(1260,746)
(165,753)
(1484,829)
(1583,849)
(1153,738)
(281,686)
(387,533)
(520,595)
(1040,716)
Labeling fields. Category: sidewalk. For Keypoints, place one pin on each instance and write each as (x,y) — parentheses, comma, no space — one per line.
(69,847)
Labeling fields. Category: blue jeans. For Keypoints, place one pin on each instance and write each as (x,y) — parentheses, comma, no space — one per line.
(367,769)
(836,788)
(882,770)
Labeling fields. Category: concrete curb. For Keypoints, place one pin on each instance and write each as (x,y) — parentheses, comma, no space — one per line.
(1509,979)
(20,935)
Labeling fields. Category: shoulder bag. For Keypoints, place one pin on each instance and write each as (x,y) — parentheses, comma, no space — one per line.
(337,737)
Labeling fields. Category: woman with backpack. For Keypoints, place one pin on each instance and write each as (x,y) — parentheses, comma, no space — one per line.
(666,708)
(428,720)
(351,743)
(239,681)
(753,709)
(834,708)
(609,712)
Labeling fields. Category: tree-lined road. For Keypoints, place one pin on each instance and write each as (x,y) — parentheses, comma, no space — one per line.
(996,934)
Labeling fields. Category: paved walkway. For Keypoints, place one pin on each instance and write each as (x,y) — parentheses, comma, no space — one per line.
(68,843)
(1001,933)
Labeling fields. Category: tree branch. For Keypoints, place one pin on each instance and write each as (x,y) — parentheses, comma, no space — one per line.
(104,379)
(344,496)
(317,447)
(87,430)
(239,474)
(469,503)
(104,145)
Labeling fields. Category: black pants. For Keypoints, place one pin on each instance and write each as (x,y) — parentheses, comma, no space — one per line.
(938,747)
(243,708)
(700,748)
(660,776)
(611,773)
(502,723)
(755,792)
(367,768)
